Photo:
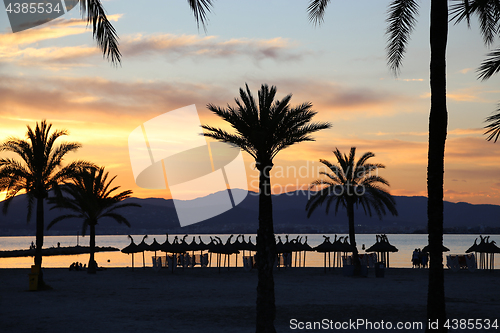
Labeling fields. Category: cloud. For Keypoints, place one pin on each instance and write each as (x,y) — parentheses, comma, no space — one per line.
(454,132)
(399,134)
(334,98)
(21,47)
(470,150)
(408,193)
(472,94)
(466,131)
(410,80)
(192,46)
(466,70)
(55,29)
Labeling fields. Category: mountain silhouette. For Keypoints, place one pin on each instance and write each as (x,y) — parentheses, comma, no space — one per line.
(158,216)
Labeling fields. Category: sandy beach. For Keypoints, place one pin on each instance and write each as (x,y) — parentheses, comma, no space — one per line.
(203,300)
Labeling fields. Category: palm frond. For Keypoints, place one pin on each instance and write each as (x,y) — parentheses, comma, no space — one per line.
(200,9)
(401,22)
(103,31)
(487,11)
(118,218)
(362,160)
(490,66)
(493,128)
(223,136)
(129,204)
(461,10)
(316,200)
(55,156)
(316,10)
(62,217)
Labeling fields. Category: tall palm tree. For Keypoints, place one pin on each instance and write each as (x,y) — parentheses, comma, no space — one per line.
(352,183)
(105,34)
(89,197)
(39,169)
(263,129)
(401,21)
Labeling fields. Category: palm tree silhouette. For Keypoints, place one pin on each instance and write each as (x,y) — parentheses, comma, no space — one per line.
(401,22)
(89,196)
(38,171)
(352,183)
(105,34)
(263,129)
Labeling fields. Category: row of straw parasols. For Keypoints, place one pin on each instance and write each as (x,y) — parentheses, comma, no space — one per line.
(340,246)
(181,246)
(218,247)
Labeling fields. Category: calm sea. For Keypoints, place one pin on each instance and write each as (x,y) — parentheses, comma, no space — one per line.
(457,244)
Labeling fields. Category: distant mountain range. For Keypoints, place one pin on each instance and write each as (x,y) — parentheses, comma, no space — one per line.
(158,216)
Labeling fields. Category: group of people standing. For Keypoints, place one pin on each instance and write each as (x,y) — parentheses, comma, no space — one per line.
(77,266)
(420,259)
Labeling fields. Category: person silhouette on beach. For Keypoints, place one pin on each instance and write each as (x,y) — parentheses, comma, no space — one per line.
(415,259)
(424,259)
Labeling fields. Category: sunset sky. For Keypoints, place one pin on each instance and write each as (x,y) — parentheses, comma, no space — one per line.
(56,72)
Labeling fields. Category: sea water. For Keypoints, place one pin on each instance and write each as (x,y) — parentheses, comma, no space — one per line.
(405,243)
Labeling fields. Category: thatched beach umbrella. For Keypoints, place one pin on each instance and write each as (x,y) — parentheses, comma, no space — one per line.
(283,250)
(246,246)
(142,247)
(325,247)
(193,246)
(340,245)
(425,249)
(486,251)
(298,247)
(173,248)
(229,249)
(304,247)
(179,246)
(131,249)
(382,247)
(216,246)
(237,244)
(155,246)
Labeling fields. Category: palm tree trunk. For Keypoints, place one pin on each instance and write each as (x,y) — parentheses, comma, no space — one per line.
(266,255)
(39,240)
(352,238)
(91,266)
(438,122)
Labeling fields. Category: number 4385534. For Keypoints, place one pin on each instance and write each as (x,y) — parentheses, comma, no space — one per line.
(471,324)
(32,8)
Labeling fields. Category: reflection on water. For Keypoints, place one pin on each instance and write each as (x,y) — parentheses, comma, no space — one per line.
(405,243)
